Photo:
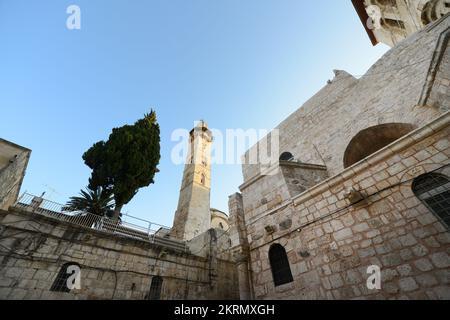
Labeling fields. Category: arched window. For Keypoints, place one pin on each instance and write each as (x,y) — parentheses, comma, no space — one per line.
(279,264)
(370,140)
(60,284)
(286,156)
(155,288)
(433,189)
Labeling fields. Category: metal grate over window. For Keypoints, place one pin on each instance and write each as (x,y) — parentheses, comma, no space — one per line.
(279,263)
(155,288)
(60,283)
(433,189)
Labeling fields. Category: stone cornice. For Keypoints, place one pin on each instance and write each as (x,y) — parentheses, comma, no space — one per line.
(271,170)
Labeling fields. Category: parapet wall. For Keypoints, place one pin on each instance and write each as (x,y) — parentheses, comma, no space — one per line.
(33,248)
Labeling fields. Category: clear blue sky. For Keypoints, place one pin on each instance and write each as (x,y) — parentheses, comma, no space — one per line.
(235,63)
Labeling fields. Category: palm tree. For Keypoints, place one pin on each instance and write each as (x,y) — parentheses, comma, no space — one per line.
(99,202)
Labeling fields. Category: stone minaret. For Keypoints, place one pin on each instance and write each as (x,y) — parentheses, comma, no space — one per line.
(193,216)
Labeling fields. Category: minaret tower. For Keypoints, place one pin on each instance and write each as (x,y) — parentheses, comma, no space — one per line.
(193,216)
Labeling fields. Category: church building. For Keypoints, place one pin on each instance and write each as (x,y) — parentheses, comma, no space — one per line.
(360,190)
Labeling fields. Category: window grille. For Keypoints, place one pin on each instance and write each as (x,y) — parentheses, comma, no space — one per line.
(433,189)
(60,283)
(155,288)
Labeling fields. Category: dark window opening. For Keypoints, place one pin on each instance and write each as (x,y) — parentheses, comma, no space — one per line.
(279,264)
(433,189)
(392,23)
(155,288)
(286,156)
(60,283)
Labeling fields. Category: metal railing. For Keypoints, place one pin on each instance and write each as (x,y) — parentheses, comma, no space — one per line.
(127,226)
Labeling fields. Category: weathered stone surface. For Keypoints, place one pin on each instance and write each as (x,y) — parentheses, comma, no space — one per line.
(336,281)
(426,280)
(408,284)
(423,265)
(117,267)
(343,234)
(440,260)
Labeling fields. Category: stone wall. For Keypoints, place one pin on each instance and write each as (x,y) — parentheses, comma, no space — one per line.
(331,243)
(11,177)
(392,91)
(33,248)
(366,214)
(239,245)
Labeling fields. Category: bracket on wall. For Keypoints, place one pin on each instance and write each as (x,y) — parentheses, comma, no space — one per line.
(355,197)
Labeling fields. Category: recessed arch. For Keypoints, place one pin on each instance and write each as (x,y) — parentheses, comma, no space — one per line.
(370,140)
(286,156)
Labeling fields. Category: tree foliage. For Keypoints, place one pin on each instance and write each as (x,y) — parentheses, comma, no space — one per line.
(99,202)
(127,161)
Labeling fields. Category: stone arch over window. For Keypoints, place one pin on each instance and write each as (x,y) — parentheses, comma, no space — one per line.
(433,189)
(155,288)
(370,140)
(286,156)
(279,263)
(60,282)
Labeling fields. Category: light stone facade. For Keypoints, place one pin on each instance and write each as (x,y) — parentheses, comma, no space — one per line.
(34,248)
(392,21)
(347,202)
